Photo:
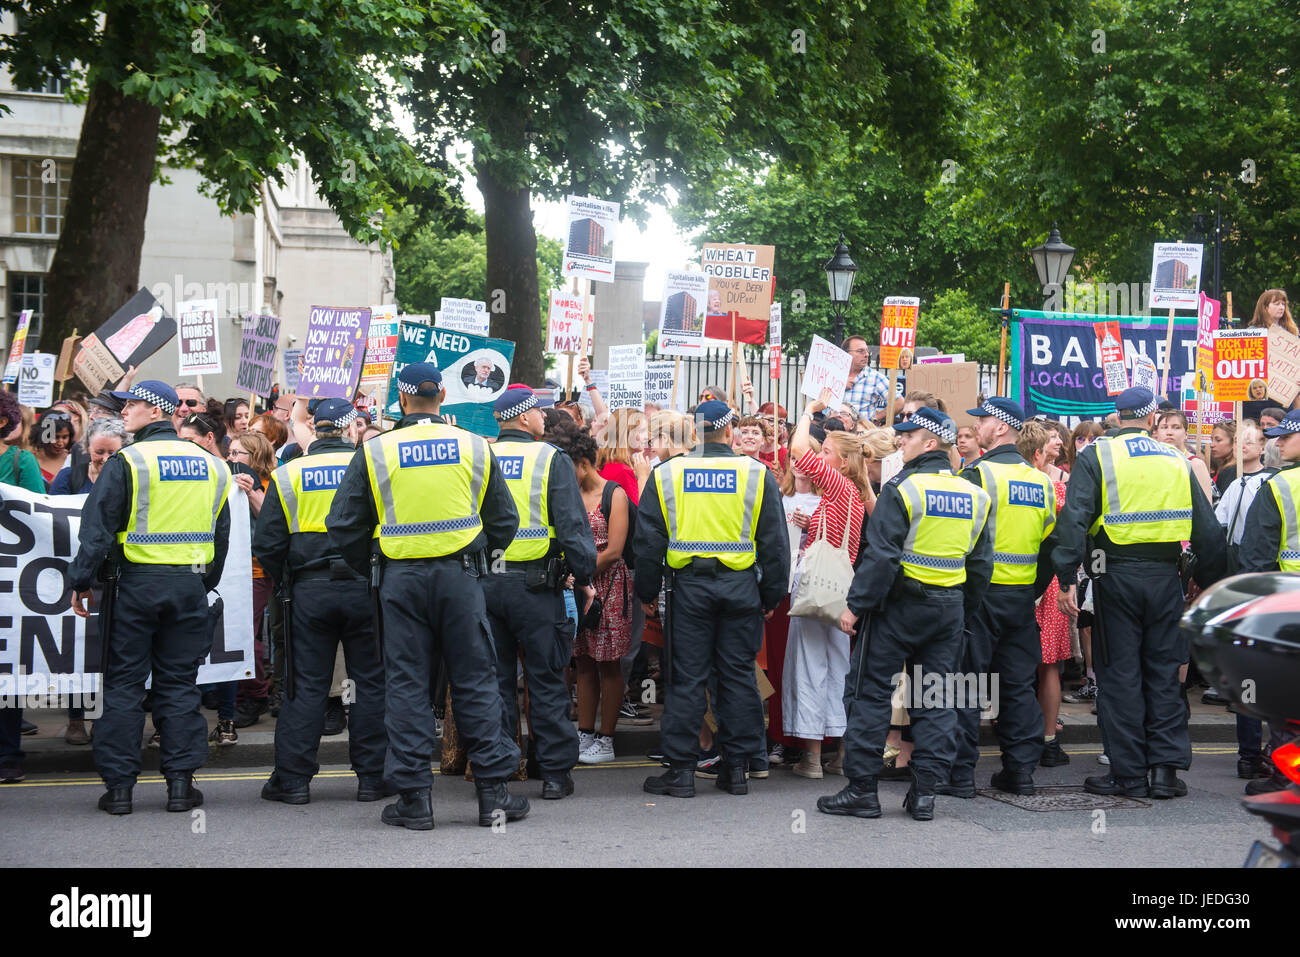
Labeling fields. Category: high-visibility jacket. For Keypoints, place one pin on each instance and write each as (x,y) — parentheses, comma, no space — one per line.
(1146,491)
(306,486)
(526,467)
(177,491)
(947,514)
(711,506)
(1285,487)
(428,482)
(1022,508)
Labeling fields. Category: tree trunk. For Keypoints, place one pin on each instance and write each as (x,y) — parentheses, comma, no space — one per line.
(512,272)
(96,264)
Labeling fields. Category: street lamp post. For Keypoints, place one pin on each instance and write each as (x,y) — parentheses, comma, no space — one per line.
(1052,261)
(840,270)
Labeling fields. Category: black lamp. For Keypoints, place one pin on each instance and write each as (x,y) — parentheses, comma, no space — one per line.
(1052,261)
(840,270)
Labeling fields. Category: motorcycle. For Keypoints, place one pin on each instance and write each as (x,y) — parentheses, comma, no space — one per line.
(1245,636)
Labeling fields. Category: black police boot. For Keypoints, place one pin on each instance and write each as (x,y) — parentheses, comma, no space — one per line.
(494,796)
(1109,784)
(1276,781)
(1255,766)
(1165,782)
(858,799)
(275,789)
(413,810)
(1053,754)
(731,778)
(960,785)
(116,801)
(371,787)
(675,782)
(919,800)
(336,719)
(181,792)
(556,786)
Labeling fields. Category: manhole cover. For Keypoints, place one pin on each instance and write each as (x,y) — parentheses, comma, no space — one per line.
(1063,797)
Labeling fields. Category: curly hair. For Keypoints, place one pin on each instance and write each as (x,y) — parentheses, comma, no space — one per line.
(575,443)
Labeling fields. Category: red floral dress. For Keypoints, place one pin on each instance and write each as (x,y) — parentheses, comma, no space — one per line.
(1054,626)
(613,587)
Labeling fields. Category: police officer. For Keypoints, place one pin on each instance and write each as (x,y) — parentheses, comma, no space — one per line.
(927,561)
(1002,636)
(158,512)
(1139,501)
(415,510)
(327,604)
(714,518)
(525,593)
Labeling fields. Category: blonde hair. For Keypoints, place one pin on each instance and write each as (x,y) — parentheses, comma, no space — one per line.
(1034,437)
(856,454)
(614,442)
(261,454)
(676,429)
(881,442)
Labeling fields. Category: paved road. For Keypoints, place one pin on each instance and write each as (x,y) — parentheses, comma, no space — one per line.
(51,820)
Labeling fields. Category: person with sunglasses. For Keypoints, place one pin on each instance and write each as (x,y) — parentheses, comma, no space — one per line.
(189,400)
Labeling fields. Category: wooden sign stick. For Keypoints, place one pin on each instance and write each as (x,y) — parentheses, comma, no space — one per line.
(889,399)
(1002,349)
(1169,345)
(573,289)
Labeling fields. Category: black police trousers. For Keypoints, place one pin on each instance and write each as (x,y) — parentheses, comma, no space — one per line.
(160,625)
(716,626)
(927,632)
(1137,607)
(536,624)
(1003,647)
(325,613)
(431,606)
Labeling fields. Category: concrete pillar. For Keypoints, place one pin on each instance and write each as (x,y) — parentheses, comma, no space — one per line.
(618,310)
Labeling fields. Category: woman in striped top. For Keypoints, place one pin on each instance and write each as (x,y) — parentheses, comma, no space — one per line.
(817,654)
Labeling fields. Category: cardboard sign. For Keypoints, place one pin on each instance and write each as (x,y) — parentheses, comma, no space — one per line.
(828,368)
(956,383)
(741,283)
(681,314)
(132,334)
(659,383)
(1202,418)
(14,362)
(1240,365)
(334,351)
(197,343)
(463,315)
(1145,375)
(898,332)
(626,377)
(66,354)
(1283,366)
(564,325)
(475,371)
(1175,276)
(261,338)
(291,357)
(1112,356)
(589,251)
(941,359)
(1207,323)
(36,379)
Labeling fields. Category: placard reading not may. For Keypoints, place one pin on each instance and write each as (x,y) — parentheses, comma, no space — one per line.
(333,353)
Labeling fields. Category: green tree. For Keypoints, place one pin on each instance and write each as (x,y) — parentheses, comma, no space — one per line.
(956,322)
(234,90)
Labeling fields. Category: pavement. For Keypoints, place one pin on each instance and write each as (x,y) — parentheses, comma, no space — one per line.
(51,821)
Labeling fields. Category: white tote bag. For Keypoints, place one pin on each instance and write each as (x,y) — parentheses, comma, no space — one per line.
(822,590)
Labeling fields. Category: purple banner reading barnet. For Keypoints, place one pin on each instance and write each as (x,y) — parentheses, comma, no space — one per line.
(334,351)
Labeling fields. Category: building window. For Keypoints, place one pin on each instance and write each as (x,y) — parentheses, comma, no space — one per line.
(27,291)
(40,190)
(54,85)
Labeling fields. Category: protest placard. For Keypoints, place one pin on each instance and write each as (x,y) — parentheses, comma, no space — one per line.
(14,362)
(377,369)
(1207,321)
(828,368)
(334,351)
(1283,366)
(1175,276)
(36,379)
(63,371)
(1112,356)
(898,331)
(681,314)
(1203,414)
(197,342)
(589,251)
(1240,365)
(43,639)
(957,384)
(659,384)
(475,371)
(1145,375)
(941,359)
(256,372)
(626,377)
(741,283)
(132,334)
(291,357)
(774,341)
(463,315)
(564,325)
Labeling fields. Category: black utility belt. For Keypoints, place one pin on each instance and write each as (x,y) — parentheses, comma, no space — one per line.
(332,573)
(710,568)
(474,561)
(541,574)
(906,587)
